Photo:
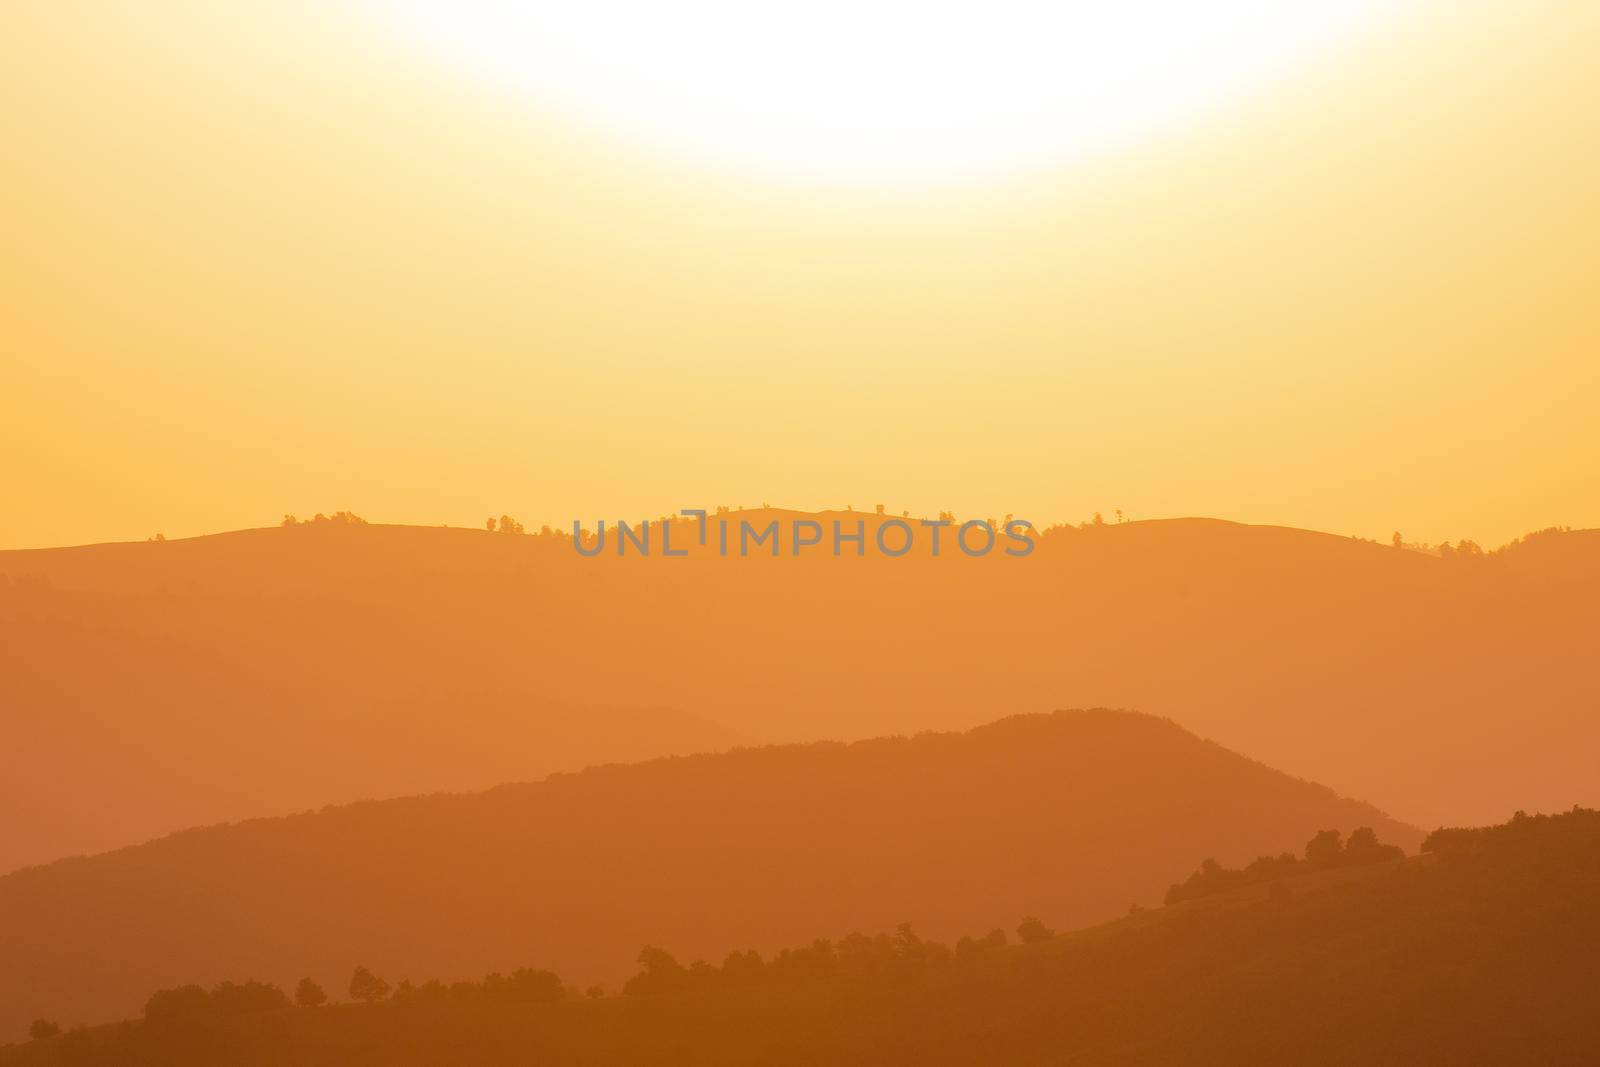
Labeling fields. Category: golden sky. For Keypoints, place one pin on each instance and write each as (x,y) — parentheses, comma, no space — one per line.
(266,258)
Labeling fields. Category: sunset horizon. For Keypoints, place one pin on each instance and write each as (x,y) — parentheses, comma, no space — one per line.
(777,534)
(1258,312)
(635,516)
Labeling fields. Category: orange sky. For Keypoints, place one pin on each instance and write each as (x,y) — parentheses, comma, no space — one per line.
(265,258)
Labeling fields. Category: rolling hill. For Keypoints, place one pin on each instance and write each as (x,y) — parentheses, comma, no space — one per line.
(1481,950)
(153,686)
(1069,816)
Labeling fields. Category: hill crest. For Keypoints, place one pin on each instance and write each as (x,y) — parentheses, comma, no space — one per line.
(1068,815)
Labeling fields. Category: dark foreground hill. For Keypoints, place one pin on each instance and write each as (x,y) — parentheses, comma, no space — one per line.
(1070,817)
(149,687)
(1482,950)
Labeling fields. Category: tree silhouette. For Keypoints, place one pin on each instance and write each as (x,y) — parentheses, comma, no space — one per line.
(366,986)
(661,972)
(309,994)
(1325,849)
(178,1004)
(43,1028)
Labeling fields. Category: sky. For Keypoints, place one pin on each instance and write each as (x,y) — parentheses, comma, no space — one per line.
(286,258)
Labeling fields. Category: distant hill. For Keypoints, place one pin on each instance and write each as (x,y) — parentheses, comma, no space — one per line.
(161,685)
(1479,951)
(1070,816)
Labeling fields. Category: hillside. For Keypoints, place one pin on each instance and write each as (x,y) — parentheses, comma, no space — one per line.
(272,670)
(1069,816)
(1482,950)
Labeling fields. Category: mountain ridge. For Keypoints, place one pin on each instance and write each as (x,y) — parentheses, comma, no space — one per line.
(1071,815)
(381,661)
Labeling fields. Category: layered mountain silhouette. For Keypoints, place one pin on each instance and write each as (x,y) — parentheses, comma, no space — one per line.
(162,685)
(1070,816)
(1480,950)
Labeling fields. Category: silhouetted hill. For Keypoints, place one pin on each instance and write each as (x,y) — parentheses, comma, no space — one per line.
(1069,816)
(271,670)
(1479,951)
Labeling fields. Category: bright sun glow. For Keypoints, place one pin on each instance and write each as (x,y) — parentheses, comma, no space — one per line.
(863,90)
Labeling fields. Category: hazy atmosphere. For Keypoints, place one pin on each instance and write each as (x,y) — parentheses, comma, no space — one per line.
(269,258)
(853,532)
